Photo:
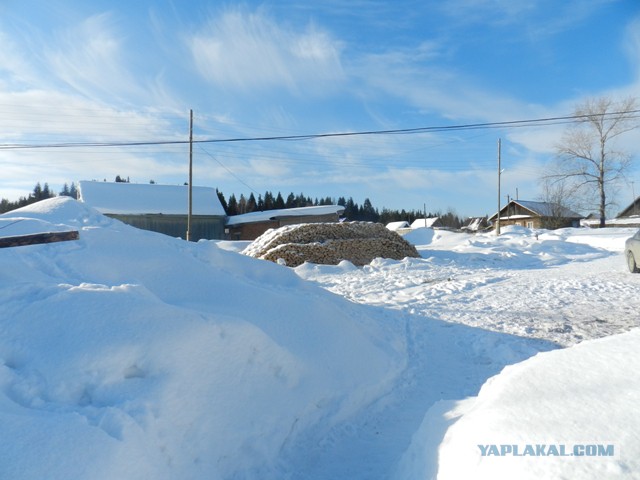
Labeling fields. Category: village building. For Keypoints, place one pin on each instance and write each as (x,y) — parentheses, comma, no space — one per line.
(475,224)
(530,214)
(628,217)
(158,208)
(433,222)
(249,226)
(395,226)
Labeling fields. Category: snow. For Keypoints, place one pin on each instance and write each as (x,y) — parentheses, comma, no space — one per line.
(424,222)
(510,411)
(395,226)
(139,198)
(130,354)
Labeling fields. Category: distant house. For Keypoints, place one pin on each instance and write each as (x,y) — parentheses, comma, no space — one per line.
(395,226)
(432,222)
(632,210)
(159,208)
(475,224)
(629,217)
(532,214)
(249,226)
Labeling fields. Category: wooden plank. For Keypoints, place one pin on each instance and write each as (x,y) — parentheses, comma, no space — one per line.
(38,238)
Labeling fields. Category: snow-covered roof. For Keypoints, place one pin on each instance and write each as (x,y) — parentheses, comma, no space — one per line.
(620,221)
(140,198)
(393,226)
(547,209)
(424,222)
(266,215)
(542,209)
(473,224)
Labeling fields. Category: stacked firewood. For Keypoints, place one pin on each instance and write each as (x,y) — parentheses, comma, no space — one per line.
(330,243)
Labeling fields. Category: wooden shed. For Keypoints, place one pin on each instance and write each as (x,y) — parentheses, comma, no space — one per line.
(159,208)
(249,226)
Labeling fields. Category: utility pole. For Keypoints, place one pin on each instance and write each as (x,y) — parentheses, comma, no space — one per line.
(633,191)
(190,175)
(425,215)
(499,173)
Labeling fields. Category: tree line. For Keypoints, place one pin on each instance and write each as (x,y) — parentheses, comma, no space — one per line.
(365,212)
(40,192)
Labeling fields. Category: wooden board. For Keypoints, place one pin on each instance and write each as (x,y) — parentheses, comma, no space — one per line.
(37,238)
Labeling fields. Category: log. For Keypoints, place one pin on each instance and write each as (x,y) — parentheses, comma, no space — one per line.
(330,243)
(38,238)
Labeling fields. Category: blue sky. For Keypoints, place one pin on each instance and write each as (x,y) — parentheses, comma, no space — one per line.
(120,71)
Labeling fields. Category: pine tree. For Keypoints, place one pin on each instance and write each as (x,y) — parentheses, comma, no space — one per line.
(223,202)
(232,206)
(251,203)
(73,191)
(291,201)
(268,201)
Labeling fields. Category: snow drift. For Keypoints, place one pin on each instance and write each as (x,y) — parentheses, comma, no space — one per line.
(576,409)
(129,354)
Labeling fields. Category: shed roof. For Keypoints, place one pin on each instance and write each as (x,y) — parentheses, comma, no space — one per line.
(141,198)
(267,215)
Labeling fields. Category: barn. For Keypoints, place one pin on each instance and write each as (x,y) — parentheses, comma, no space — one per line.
(158,208)
(249,226)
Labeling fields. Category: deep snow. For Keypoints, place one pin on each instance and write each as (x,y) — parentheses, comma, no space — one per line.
(129,354)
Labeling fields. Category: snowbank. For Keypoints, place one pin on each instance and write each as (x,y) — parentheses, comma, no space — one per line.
(569,413)
(130,354)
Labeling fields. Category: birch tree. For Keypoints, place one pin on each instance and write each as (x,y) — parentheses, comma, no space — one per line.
(587,155)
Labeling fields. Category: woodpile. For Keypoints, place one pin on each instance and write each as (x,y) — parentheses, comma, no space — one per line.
(330,243)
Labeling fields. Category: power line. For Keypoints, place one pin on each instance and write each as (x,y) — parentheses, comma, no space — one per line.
(404,131)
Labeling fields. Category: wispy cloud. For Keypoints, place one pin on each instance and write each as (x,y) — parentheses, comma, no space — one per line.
(90,57)
(242,50)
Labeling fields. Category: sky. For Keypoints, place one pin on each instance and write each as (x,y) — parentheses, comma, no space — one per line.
(113,72)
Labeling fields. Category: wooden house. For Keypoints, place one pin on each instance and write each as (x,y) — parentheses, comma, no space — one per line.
(159,208)
(530,214)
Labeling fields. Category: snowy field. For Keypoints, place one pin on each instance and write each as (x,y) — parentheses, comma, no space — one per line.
(129,354)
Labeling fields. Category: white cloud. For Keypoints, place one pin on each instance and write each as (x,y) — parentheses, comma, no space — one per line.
(241,50)
(90,57)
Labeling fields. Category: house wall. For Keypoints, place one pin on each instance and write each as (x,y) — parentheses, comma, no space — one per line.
(202,226)
(251,231)
(541,222)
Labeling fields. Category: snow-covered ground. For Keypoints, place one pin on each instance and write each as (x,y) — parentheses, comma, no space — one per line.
(128,354)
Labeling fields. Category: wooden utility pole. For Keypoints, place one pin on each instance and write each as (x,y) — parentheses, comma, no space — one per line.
(190,175)
(499,173)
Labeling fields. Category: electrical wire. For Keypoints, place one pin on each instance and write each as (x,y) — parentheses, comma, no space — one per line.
(403,131)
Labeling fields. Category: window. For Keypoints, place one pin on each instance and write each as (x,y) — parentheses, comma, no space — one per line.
(529,224)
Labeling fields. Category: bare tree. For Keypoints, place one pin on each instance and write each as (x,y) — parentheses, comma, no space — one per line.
(561,200)
(586,156)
